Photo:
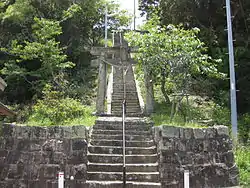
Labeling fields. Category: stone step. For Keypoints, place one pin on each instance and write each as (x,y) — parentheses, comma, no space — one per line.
(128,86)
(119,81)
(118,76)
(134,108)
(119,184)
(120,100)
(129,120)
(119,150)
(129,93)
(119,72)
(136,113)
(118,126)
(133,114)
(128,111)
(129,75)
(129,97)
(120,142)
(120,93)
(130,107)
(118,90)
(115,158)
(131,176)
(118,86)
(145,133)
(118,167)
(128,82)
(120,137)
(118,120)
(129,103)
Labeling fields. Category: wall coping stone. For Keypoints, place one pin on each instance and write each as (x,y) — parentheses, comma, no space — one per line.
(169,131)
(42,132)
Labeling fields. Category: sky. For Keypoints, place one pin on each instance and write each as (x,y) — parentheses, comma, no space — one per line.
(129,5)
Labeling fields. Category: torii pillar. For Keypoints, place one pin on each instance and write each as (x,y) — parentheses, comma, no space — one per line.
(102,86)
(149,86)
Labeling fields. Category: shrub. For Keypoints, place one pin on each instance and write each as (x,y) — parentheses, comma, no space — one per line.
(221,115)
(244,128)
(56,109)
(242,157)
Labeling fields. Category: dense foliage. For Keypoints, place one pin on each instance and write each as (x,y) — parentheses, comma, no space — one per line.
(242,156)
(47,43)
(175,57)
(210,17)
(55,109)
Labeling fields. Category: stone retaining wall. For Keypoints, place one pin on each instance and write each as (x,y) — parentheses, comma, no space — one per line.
(31,157)
(206,153)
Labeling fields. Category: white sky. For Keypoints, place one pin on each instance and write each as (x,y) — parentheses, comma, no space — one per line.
(129,5)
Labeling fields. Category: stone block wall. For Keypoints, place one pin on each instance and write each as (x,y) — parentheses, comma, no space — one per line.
(31,157)
(206,153)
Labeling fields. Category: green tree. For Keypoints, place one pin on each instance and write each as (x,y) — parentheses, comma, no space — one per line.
(43,48)
(81,26)
(210,17)
(173,55)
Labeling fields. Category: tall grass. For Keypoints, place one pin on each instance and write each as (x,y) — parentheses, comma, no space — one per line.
(242,156)
(162,113)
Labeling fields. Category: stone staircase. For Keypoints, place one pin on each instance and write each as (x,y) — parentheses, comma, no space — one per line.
(132,102)
(105,159)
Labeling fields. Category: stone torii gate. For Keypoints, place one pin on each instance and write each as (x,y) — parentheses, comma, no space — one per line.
(118,55)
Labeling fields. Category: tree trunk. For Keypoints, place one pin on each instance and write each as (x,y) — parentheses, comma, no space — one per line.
(163,88)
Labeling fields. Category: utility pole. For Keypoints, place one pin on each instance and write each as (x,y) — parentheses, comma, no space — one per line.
(134,13)
(106,27)
(232,72)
